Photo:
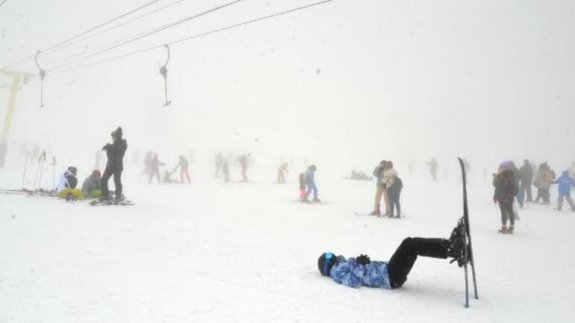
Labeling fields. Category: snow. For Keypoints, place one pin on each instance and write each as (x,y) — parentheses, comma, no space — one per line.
(215,252)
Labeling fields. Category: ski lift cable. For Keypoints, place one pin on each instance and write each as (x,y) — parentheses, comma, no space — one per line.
(149,33)
(62,70)
(53,47)
(69,57)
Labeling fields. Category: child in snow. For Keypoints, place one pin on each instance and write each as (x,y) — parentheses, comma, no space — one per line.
(565,183)
(354,272)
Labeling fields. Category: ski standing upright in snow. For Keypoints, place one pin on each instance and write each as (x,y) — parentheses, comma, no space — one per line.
(466,233)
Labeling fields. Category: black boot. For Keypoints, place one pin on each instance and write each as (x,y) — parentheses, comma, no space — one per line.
(457,245)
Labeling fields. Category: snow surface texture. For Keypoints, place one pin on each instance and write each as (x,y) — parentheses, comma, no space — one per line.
(215,252)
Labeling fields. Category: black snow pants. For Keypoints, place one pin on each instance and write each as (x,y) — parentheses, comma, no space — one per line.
(117,182)
(506,207)
(405,255)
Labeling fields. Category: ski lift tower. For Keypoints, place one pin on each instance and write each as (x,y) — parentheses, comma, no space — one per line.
(15,77)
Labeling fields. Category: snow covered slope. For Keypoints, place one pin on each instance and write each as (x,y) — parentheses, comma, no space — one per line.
(215,252)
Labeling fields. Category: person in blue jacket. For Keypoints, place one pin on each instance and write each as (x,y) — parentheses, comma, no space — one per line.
(565,183)
(310,184)
(361,270)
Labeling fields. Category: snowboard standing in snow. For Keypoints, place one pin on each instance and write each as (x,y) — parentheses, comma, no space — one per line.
(465,235)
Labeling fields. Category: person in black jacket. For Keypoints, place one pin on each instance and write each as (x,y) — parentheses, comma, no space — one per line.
(115,165)
(506,187)
(526,179)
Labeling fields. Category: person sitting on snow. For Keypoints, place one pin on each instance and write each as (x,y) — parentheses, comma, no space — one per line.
(66,187)
(361,270)
(91,185)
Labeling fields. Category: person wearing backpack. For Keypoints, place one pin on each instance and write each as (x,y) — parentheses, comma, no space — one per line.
(506,187)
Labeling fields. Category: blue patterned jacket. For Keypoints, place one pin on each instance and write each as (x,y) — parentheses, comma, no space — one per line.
(350,273)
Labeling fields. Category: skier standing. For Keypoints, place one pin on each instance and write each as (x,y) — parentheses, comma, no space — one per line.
(433,168)
(505,190)
(115,165)
(379,187)
(394,192)
(226,170)
(184,166)
(282,170)
(526,179)
(565,183)
(310,183)
(243,160)
(155,164)
(389,175)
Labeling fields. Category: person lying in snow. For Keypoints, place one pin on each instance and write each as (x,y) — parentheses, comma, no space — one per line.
(355,272)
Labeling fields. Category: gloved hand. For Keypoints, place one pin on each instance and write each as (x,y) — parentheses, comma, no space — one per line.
(363,259)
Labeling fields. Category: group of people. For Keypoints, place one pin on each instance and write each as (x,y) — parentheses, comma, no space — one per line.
(222,166)
(152,167)
(95,185)
(513,184)
(388,185)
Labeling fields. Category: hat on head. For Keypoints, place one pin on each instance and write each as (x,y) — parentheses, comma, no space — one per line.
(95,173)
(117,132)
(326,262)
(72,170)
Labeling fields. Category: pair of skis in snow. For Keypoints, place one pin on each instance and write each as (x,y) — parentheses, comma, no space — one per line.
(467,251)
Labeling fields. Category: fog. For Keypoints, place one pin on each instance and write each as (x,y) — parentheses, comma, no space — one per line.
(342,84)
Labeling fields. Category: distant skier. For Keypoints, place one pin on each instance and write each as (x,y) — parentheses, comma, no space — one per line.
(92,185)
(219,161)
(433,165)
(565,182)
(243,160)
(526,179)
(155,164)
(394,192)
(361,270)
(310,184)
(506,188)
(226,170)
(184,165)
(282,170)
(389,176)
(543,180)
(301,178)
(115,165)
(379,187)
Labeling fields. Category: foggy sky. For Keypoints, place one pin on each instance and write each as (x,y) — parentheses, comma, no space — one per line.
(347,82)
